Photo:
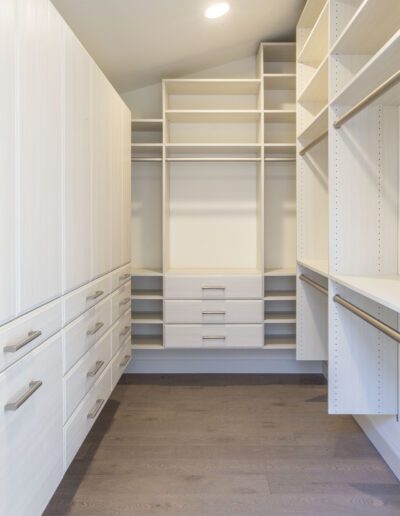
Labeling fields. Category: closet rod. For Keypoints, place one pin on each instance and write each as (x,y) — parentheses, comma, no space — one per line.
(314,284)
(373,321)
(377,92)
(316,140)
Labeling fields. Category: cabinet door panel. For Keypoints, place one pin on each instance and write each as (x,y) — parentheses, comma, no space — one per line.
(77,211)
(7,159)
(40,55)
(118,221)
(127,202)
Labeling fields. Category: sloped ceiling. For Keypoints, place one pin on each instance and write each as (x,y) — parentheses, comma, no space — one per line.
(137,42)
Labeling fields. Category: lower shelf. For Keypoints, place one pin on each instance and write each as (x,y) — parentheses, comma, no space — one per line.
(147,318)
(280,342)
(147,342)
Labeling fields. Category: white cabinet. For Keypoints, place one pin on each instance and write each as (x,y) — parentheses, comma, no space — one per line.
(40,63)
(7,159)
(77,185)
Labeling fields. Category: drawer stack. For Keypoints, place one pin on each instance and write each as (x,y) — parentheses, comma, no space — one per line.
(213,311)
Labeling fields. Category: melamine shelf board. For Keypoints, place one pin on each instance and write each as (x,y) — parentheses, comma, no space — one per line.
(280,81)
(280,342)
(310,13)
(316,45)
(147,318)
(316,90)
(372,25)
(279,148)
(138,146)
(145,160)
(146,272)
(177,149)
(212,86)
(147,124)
(281,116)
(319,266)
(213,115)
(147,342)
(146,294)
(280,272)
(280,295)
(279,52)
(384,290)
(280,317)
(316,127)
(382,66)
(213,272)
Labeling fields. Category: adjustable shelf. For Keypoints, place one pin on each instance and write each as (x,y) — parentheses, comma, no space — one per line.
(280,116)
(213,115)
(319,266)
(316,45)
(147,318)
(288,271)
(280,317)
(280,81)
(146,272)
(280,341)
(280,295)
(147,341)
(317,126)
(143,294)
(316,90)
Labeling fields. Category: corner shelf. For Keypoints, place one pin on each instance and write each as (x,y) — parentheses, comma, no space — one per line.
(147,318)
(280,317)
(146,272)
(280,295)
(147,342)
(316,45)
(280,342)
(139,294)
(288,271)
(319,266)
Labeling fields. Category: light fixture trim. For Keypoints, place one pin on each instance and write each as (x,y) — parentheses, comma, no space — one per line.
(217,10)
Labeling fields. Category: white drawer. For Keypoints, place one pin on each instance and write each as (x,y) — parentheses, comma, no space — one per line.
(85,373)
(121,276)
(31,462)
(220,336)
(81,334)
(120,362)
(78,301)
(121,300)
(214,311)
(213,287)
(120,331)
(85,415)
(22,335)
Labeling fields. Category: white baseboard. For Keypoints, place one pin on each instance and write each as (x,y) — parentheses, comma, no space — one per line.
(219,361)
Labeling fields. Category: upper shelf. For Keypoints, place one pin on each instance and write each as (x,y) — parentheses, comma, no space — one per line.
(147,124)
(213,115)
(319,266)
(212,86)
(372,25)
(280,81)
(310,13)
(316,127)
(316,46)
(316,90)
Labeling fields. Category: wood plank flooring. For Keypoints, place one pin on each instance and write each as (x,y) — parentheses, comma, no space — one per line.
(225,445)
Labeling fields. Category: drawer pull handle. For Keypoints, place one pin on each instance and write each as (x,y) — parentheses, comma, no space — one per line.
(32,335)
(125,331)
(214,312)
(94,330)
(99,364)
(125,301)
(94,296)
(126,361)
(213,287)
(124,277)
(33,387)
(214,337)
(96,409)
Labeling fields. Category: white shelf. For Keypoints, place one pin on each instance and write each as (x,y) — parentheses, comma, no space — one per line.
(177,149)
(213,115)
(147,342)
(316,90)
(280,342)
(316,45)
(281,116)
(310,13)
(146,160)
(384,290)
(280,295)
(319,266)
(316,127)
(147,124)
(147,318)
(368,29)
(288,271)
(280,81)
(212,86)
(146,272)
(137,294)
(212,272)
(279,148)
(280,317)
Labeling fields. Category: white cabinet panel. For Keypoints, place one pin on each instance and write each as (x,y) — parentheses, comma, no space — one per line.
(40,63)
(7,160)
(77,187)
(31,464)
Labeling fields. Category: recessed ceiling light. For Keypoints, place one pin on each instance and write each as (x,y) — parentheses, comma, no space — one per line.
(217,10)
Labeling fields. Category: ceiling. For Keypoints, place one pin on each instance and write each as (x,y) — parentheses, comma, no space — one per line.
(137,42)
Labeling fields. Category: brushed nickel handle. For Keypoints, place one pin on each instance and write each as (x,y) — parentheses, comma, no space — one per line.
(33,387)
(125,362)
(32,335)
(125,331)
(94,296)
(214,337)
(214,312)
(98,365)
(124,277)
(125,301)
(96,328)
(96,409)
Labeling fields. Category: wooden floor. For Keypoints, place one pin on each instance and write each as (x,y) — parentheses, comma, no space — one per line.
(225,445)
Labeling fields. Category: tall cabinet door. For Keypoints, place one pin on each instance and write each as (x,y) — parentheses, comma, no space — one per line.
(117,183)
(7,160)
(40,56)
(126,152)
(77,187)
(101,173)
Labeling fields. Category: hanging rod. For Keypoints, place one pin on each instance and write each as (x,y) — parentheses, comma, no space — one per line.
(314,284)
(377,92)
(373,321)
(312,143)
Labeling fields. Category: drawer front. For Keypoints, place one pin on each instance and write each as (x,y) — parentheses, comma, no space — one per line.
(214,312)
(86,414)
(213,287)
(31,464)
(76,303)
(121,300)
(85,373)
(121,276)
(222,336)
(120,362)
(120,331)
(81,334)
(26,333)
